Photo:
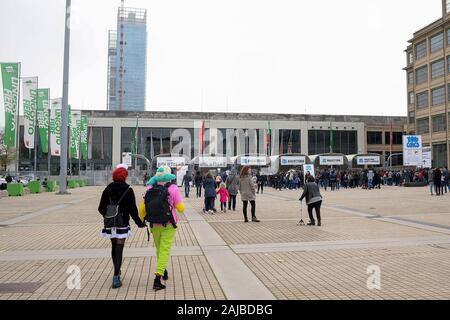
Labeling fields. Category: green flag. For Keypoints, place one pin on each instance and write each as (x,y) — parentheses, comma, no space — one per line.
(75,125)
(9,84)
(134,144)
(43,116)
(84,137)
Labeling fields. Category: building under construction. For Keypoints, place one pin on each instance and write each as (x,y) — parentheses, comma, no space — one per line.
(127,61)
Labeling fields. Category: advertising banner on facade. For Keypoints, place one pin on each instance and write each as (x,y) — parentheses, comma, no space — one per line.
(292,160)
(171,162)
(55,127)
(126,159)
(331,160)
(253,161)
(9,99)
(43,117)
(29,94)
(212,162)
(308,168)
(426,157)
(368,160)
(412,151)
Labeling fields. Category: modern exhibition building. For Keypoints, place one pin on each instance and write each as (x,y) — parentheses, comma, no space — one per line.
(269,141)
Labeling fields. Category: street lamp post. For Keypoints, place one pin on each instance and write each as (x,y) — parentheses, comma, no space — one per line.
(65,99)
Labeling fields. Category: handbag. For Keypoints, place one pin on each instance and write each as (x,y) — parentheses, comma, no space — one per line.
(113,218)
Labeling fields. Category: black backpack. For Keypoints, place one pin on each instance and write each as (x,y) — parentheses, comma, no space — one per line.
(157,206)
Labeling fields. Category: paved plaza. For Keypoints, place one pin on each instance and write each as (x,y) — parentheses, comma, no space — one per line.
(405,232)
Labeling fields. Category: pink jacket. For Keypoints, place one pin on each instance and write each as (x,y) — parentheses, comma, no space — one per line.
(224,195)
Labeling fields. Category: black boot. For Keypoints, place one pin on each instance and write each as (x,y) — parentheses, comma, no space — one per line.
(311,223)
(165,276)
(319,223)
(157,285)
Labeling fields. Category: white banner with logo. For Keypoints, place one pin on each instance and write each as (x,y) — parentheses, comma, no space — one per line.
(331,160)
(126,159)
(253,161)
(171,162)
(212,162)
(368,160)
(29,93)
(426,157)
(308,168)
(412,151)
(292,160)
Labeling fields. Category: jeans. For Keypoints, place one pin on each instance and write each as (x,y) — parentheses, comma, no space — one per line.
(253,204)
(431,187)
(199,191)
(209,203)
(187,189)
(316,206)
(232,202)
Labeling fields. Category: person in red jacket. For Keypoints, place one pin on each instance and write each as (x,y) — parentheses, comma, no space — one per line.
(224,196)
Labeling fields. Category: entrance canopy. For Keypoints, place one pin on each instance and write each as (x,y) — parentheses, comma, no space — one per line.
(171,160)
(253,160)
(330,159)
(211,161)
(286,162)
(366,159)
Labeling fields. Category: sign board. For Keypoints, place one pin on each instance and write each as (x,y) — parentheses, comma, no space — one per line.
(171,162)
(412,151)
(426,157)
(292,160)
(308,168)
(368,160)
(331,160)
(212,162)
(253,161)
(126,159)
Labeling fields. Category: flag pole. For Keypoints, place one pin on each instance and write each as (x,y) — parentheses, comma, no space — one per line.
(17,122)
(36,141)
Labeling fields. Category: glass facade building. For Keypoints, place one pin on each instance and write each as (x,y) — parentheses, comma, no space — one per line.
(127,61)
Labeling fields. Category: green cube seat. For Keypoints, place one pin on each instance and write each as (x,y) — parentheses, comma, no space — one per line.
(15,189)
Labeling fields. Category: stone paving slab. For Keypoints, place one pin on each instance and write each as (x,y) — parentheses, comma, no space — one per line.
(190,278)
(342,274)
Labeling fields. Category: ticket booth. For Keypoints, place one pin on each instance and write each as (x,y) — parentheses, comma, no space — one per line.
(287,162)
(337,161)
(258,162)
(364,161)
(215,164)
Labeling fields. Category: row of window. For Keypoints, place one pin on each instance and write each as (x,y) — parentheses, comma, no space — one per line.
(422,98)
(438,124)
(434,44)
(375,137)
(437,70)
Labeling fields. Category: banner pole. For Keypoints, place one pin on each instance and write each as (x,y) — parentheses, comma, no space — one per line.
(49,153)
(17,123)
(35,125)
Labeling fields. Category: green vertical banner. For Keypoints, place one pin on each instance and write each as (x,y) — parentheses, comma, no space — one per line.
(84,137)
(134,145)
(43,114)
(75,134)
(9,99)
(29,94)
(55,127)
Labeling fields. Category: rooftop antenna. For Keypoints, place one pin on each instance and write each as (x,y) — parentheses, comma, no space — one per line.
(121,55)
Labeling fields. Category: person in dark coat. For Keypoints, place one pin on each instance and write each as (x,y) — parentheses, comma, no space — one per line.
(313,200)
(119,229)
(198,180)
(209,185)
(437,181)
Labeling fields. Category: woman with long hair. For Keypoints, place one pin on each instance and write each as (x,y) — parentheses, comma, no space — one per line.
(248,192)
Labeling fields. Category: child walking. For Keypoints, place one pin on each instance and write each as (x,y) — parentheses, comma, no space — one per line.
(224,196)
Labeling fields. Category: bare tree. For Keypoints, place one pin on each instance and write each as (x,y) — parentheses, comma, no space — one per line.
(7,155)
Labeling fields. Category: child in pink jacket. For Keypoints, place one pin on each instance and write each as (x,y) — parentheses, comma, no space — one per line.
(224,197)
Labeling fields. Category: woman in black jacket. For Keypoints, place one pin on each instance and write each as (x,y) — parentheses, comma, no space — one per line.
(313,199)
(118,229)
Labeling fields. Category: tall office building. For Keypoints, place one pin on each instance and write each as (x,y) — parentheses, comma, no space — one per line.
(127,61)
(428,86)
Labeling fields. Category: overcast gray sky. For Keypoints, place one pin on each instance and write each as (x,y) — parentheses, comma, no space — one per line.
(286,56)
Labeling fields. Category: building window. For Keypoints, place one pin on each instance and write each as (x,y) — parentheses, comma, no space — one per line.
(423,126)
(397,138)
(374,137)
(438,96)
(422,100)
(412,117)
(411,98)
(345,142)
(410,57)
(436,42)
(439,155)
(411,78)
(422,75)
(438,123)
(437,69)
(421,50)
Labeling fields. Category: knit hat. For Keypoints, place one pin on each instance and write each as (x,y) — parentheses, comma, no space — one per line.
(163,174)
(120,174)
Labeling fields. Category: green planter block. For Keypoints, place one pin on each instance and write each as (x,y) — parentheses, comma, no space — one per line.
(51,186)
(15,189)
(73,184)
(81,183)
(35,187)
